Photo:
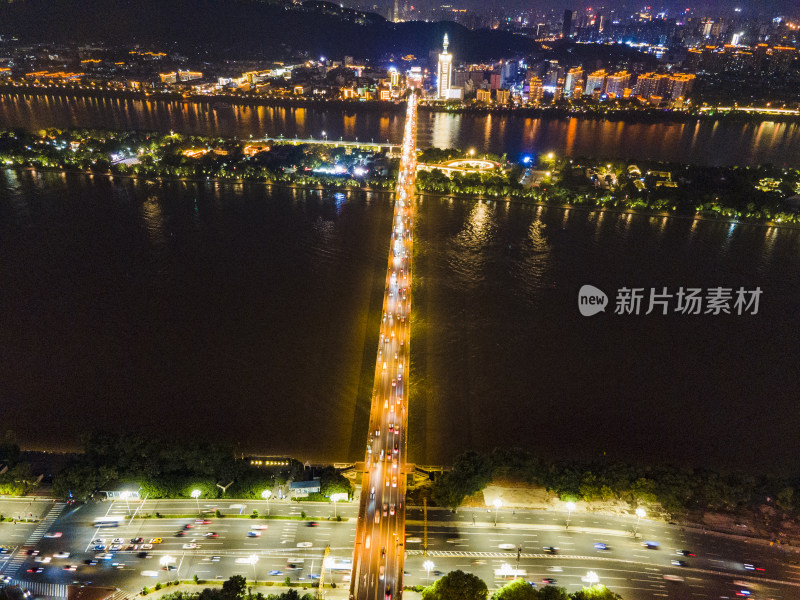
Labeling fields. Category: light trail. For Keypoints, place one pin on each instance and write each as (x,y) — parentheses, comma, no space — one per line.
(379,553)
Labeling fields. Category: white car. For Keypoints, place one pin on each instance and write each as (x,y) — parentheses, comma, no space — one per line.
(304,544)
(190,546)
(61,555)
(118,541)
(258,527)
(149,573)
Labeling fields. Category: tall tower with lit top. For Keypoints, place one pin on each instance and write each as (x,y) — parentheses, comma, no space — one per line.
(445,70)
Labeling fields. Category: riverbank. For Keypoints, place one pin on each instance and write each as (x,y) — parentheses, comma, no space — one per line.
(466,197)
(600,112)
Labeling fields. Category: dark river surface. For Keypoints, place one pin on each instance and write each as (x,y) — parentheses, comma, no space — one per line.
(250,315)
(703,142)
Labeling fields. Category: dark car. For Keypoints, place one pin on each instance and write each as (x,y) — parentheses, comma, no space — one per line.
(679,563)
(549,581)
(551,549)
(90,561)
(685,553)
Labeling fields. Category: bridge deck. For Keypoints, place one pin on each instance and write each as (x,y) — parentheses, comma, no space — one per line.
(379,553)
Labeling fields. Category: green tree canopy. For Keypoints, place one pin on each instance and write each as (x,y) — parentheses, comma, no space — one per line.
(234,588)
(519,589)
(456,585)
(595,592)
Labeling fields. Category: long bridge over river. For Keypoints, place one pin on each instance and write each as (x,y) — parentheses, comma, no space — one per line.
(379,553)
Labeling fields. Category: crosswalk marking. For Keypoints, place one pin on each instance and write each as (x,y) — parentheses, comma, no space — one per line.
(19,556)
(39,588)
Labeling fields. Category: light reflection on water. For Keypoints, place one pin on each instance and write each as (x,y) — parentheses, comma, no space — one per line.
(258,308)
(701,142)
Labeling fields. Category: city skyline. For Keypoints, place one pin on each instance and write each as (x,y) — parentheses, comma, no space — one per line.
(219,380)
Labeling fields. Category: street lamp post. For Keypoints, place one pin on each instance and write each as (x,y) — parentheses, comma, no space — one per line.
(265,495)
(125,495)
(196,496)
(592,578)
(335,498)
(428,566)
(166,561)
(253,559)
(324,136)
(497,504)
(570,508)
(640,512)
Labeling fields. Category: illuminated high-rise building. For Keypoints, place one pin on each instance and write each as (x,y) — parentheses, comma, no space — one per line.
(616,83)
(680,85)
(595,81)
(444,70)
(573,78)
(535,90)
(650,84)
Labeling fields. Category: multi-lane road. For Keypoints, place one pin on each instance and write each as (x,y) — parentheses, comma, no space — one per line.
(378,554)
(455,541)
(380,544)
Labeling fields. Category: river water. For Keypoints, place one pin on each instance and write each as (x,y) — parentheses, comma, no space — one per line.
(702,142)
(250,315)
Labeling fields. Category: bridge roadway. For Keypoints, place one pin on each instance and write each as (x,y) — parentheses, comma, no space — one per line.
(379,549)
